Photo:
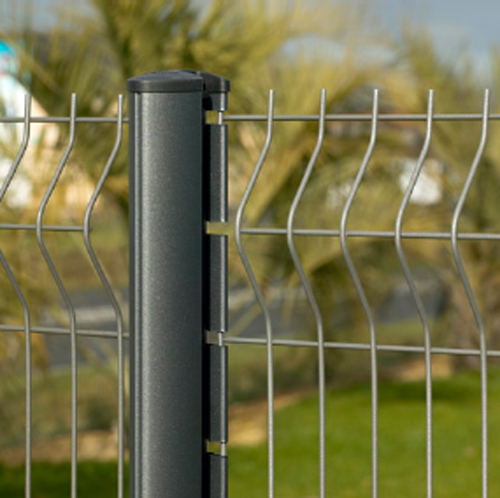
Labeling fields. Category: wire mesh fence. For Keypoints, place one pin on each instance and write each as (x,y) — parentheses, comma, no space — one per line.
(362,254)
(345,236)
(53,207)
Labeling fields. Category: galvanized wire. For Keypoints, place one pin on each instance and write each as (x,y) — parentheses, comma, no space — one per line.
(361,293)
(22,149)
(374,234)
(22,300)
(110,294)
(398,236)
(63,119)
(63,331)
(310,295)
(258,292)
(40,228)
(28,372)
(414,291)
(358,346)
(64,295)
(44,228)
(360,117)
(371,348)
(470,293)
(263,118)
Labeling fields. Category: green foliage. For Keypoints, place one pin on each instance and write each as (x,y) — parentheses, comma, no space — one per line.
(94,57)
(97,401)
(454,144)
(257,45)
(262,45)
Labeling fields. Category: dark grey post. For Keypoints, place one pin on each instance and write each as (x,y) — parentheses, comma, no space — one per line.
(166,122)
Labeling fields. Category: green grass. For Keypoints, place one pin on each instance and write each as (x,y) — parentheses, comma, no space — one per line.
(457,426)
(457,449)
(49,480)
(295,367)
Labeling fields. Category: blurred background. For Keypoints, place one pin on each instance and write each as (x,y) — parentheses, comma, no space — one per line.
(51,49)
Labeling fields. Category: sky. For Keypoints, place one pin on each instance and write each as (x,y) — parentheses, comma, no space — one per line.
(455,24)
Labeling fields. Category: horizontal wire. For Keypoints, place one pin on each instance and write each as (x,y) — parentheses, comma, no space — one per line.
(107,334)
(370,233)
(44,228)
(359,117)
(355,346)
(61,119)
(263,117)
(112,334)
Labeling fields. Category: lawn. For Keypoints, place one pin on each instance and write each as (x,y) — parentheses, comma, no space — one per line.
(457,448)
(49,480)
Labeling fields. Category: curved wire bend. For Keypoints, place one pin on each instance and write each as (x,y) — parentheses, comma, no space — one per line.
(470,293)
(109,291)
(63,292)
(21,298)
(258,292)
(414,291)
(360,291)
(309,292)
(22,148)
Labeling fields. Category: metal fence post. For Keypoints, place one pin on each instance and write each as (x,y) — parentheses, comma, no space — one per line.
(166,272)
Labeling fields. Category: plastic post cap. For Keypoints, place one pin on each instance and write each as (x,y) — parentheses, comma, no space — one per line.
(166,82)
(211,82)
(178,81)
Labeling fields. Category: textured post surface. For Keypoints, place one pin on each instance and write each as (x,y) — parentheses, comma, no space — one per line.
(166,282)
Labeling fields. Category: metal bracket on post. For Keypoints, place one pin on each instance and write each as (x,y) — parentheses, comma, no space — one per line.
(215,287)
(171,283)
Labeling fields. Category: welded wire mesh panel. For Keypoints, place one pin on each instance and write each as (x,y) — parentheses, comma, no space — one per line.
(364,273)
(63,280)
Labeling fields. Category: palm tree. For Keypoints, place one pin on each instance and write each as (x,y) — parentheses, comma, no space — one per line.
(454,145)
(258,45)
(94,56)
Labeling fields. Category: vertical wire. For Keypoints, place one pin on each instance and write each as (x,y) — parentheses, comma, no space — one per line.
(22,147)
(22,300)
(64,294)
(470,293)
(361,293)
(258,292)
(109,291)
(310,295)
(414,291)
(28,371)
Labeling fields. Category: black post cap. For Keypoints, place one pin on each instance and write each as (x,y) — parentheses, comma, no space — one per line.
(211,82)
(177,81)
